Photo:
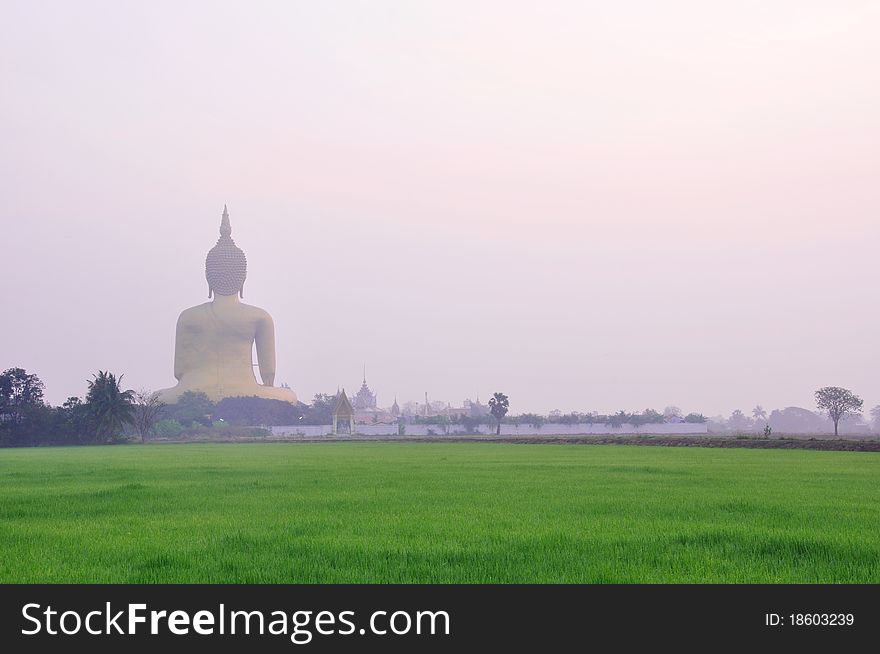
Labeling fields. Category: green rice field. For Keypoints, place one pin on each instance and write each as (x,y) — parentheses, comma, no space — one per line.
(437,513)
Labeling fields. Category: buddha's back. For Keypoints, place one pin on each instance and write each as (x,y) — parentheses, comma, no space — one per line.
(214,344)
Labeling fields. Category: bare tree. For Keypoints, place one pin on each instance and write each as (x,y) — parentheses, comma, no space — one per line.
(147,411)
(838,402)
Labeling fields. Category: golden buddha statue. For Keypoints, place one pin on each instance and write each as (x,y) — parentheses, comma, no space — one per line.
(214,340)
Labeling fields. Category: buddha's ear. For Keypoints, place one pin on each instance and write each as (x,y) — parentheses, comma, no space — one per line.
(210,291)
(241,291)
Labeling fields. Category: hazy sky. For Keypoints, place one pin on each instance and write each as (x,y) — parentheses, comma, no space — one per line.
(586,205)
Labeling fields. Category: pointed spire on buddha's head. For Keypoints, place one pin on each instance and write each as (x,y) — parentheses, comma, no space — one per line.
(225,227)
(226,264)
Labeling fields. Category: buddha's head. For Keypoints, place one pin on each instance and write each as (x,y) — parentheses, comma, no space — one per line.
(226,265)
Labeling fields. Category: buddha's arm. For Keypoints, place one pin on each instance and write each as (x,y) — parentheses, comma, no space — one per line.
(265,339)
(178,350)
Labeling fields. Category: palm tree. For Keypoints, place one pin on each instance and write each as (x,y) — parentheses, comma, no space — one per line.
(499,405)
(112,407)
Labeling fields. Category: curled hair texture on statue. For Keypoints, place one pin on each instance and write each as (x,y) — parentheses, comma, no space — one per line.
(226,264)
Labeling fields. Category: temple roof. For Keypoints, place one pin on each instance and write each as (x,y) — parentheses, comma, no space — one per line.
(342,406)
(365,398)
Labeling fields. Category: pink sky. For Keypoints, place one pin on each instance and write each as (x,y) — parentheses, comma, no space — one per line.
(585,205)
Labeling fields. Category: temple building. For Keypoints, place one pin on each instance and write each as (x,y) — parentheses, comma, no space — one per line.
(365,399)
(475,409)
(343,415)
(430,409)
(366,410)
(366,407)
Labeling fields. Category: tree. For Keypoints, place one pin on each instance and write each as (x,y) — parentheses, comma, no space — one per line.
(620,418)
(759,414)
(671,413)
(838,402)
(111,406)
(636,419)
(696,418)
(471,425)
(75,420)
(875,415)
(19,393)
(320,411)
(147,412)
(797,420)
(651,417)
(192,406)
(22,411)
(532,420)
(738,421)
(252,411)
(498,405)
(568,418)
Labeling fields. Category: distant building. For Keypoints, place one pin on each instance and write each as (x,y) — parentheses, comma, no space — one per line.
(343,414)
(365,406)
(431,409)
(475,409)
(365,399)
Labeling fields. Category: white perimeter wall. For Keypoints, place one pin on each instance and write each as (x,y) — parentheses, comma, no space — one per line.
(506,430)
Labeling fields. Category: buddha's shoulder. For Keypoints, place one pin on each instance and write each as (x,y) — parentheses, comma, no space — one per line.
(194,313)
(256,312)
(202,312)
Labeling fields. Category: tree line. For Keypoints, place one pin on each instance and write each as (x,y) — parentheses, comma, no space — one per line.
(834,406)
(110,413)
(26,419)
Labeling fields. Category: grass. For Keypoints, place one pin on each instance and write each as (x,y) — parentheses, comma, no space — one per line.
(418,512)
